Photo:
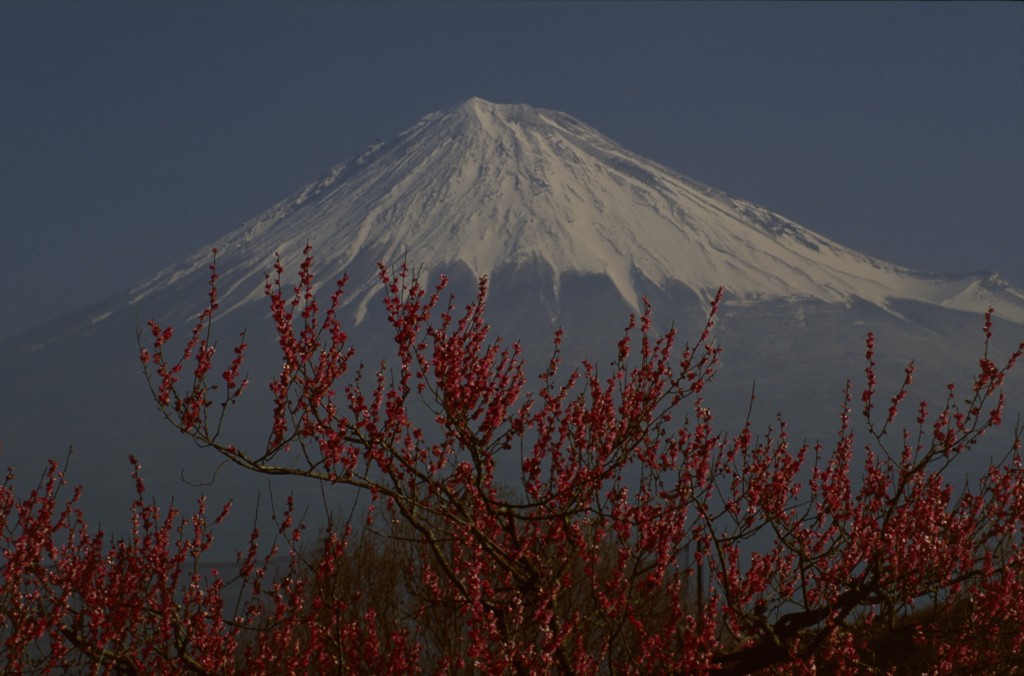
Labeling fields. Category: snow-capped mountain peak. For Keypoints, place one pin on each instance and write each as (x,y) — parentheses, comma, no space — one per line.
(493,185)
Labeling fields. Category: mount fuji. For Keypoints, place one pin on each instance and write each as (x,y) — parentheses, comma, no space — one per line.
(572,230)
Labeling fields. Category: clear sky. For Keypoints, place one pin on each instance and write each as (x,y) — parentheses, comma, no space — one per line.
(132,134)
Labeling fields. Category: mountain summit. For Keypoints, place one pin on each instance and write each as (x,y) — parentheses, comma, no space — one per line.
(492,186)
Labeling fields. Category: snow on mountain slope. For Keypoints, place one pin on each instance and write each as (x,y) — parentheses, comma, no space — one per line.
(493,185)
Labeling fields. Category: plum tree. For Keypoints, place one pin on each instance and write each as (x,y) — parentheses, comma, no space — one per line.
(633,536)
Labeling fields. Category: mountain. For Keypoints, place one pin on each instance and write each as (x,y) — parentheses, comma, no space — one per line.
(571,229)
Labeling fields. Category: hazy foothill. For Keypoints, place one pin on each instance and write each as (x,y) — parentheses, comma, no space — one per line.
(644,513)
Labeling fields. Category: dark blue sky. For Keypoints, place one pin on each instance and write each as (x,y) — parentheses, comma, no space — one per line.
(132,134)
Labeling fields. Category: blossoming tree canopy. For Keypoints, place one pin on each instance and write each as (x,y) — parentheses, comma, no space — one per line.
(636,535)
